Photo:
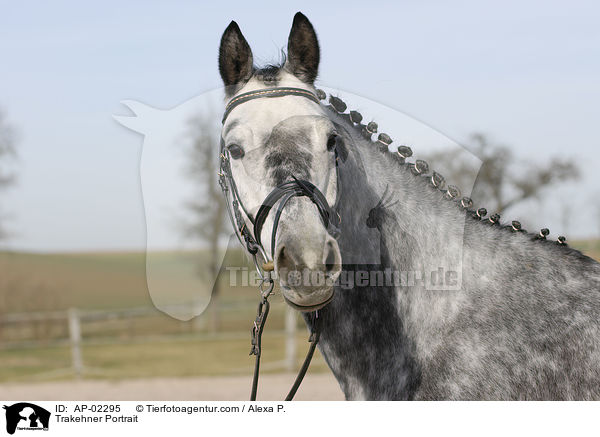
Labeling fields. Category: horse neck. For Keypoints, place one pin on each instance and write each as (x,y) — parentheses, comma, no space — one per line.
(367,331)
(413,226)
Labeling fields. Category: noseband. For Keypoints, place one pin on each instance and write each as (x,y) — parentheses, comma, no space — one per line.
(277,199)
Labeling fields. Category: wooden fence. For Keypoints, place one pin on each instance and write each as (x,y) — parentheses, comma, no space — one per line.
(71,330)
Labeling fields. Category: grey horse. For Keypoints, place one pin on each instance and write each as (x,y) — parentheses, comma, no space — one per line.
(518,315)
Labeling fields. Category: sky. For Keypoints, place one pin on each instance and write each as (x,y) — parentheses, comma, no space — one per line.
(524,73)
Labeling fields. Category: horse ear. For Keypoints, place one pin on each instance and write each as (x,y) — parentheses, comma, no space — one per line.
(303,49)
(235,56)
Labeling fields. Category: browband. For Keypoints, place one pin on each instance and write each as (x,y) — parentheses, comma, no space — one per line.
(267,92)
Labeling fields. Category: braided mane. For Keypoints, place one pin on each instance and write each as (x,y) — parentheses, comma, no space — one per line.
(420,168)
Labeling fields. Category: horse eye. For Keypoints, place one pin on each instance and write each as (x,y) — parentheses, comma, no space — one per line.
(331,142)
(235,151)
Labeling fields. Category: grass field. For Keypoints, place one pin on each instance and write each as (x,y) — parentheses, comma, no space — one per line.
(181,356)
(155,345)
(89,280)
(152,346)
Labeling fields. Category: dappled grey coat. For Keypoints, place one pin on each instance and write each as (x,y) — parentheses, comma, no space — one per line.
(525,324)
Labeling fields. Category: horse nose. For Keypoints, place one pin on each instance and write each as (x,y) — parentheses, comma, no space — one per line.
(333,258)
(298,254)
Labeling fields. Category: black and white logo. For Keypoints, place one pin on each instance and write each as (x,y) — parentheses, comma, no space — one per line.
(26,416)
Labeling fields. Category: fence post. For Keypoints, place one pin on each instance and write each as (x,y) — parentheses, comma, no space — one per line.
(75,339)
(290,338)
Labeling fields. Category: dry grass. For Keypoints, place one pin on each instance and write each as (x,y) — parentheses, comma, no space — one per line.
(182,356)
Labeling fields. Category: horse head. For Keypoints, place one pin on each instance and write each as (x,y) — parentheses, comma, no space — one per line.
(284,143)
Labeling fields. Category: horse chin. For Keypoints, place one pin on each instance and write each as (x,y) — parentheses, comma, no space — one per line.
(313,301)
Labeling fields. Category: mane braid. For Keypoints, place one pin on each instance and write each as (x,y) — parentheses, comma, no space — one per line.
(420,168)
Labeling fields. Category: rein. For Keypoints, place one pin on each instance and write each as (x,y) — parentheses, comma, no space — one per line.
(276,200)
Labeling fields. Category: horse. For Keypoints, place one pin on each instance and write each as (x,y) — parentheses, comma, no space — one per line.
(517,316)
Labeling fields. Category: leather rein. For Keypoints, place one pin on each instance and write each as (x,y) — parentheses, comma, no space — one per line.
(276,200)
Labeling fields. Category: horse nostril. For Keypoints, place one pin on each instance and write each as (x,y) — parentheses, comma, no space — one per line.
(284,261)
(296,257)
(281,256)
(330,260)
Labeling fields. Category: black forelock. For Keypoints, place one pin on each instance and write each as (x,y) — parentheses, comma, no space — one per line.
(270,72)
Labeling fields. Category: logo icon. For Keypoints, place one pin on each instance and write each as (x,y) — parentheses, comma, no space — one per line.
(26,416)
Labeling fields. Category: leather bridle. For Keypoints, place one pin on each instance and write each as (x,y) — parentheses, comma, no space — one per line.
(276,200)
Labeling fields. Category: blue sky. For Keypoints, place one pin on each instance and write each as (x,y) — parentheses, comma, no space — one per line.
(526,73)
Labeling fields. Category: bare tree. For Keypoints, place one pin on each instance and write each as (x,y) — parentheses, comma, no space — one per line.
(207,209)
(498,186)
(7,154)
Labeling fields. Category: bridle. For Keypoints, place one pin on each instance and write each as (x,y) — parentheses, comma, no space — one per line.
(276,200)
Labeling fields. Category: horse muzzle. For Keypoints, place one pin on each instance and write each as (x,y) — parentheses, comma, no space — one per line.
(308,265)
